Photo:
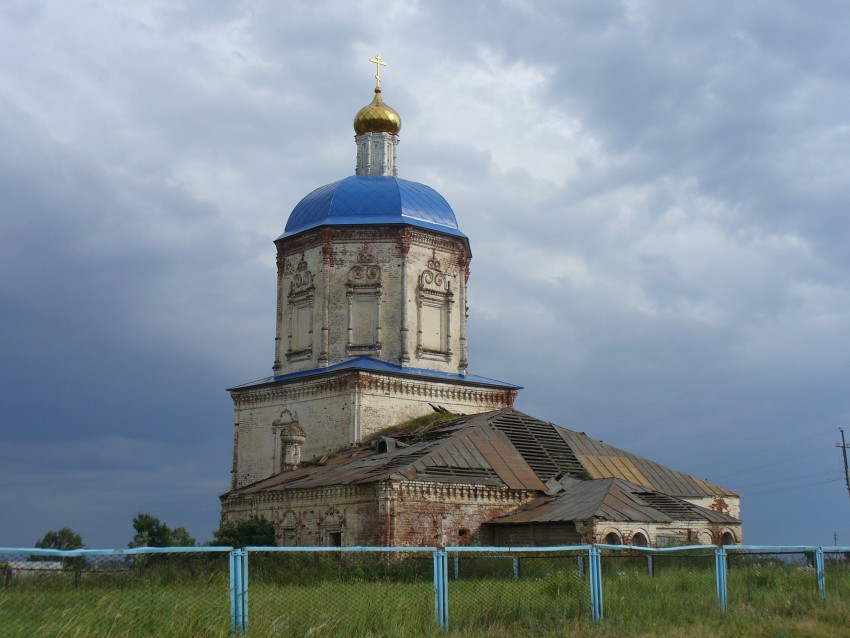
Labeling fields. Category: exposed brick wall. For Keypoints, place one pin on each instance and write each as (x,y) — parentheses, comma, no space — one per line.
(398,513)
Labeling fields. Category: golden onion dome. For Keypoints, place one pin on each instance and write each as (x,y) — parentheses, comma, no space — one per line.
(377,117)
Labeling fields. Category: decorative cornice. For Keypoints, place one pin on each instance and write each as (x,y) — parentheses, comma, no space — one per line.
(384,490)
(300,496)
(438,241)
(456,491)
(404,236)
(371,382)
(352,380)
(293,390)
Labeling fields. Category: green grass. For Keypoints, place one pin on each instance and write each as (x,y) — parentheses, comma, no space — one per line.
(770,601)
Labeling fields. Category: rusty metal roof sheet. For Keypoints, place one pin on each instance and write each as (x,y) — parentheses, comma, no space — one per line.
(456,452)
(503,448)
(551,450)
(612,499)
(606,461)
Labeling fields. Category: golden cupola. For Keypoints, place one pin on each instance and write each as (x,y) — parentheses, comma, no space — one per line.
(377,117)
(376,128)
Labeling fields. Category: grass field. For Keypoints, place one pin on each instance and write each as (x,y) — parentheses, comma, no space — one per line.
(766,600)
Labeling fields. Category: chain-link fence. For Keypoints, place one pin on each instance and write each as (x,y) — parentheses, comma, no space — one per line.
(300,591)
(524,588)
(645,584)
(772,580)
(340,591)
(837,573)
(109,592)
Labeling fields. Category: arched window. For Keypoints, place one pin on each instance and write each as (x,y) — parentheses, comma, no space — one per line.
(434,301)
(364,307)
(639,540)
(612,538)
(727,539)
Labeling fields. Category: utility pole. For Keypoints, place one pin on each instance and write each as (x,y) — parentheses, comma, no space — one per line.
(843,446)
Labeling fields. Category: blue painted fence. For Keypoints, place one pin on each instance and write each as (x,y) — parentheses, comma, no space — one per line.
(587,561)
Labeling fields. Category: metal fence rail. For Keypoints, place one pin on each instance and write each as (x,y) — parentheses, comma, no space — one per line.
(396,591)
(144,590)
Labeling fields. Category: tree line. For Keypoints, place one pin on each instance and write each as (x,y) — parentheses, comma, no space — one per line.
(150,531)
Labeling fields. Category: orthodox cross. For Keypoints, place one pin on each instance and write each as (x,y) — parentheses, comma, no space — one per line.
(378,62)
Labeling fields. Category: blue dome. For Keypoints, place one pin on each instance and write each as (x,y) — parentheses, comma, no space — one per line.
(372,200)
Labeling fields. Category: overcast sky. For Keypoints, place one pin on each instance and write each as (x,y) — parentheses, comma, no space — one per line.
(656,195)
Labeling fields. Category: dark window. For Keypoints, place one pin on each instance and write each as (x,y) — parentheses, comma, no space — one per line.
(639,540)
(334,539)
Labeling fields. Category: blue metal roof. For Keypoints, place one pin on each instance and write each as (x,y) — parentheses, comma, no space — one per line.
(368,364)
(370,200)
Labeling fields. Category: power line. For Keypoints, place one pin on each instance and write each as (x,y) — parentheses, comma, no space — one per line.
(770,463)
(791,489)
(765,450)
(790,479)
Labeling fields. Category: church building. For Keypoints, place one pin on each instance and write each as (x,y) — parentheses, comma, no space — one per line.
(372,430)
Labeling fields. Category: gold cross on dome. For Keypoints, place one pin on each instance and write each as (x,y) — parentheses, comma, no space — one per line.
(378,62)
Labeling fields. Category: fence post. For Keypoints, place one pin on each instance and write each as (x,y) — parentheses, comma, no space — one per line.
(821,577)
(650,566)
(595,569)
(720,576)
(244,563)
(441,588)
(237,591)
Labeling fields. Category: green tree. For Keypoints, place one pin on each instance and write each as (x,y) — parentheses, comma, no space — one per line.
(255,530)
(152,532)
(63,539)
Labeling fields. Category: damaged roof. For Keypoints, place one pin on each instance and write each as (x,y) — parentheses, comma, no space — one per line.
(459,451)
(506,448)
(611,499)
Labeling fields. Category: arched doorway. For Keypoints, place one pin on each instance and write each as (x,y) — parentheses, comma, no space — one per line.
(727,539)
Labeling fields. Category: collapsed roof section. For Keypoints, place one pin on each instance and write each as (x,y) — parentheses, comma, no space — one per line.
(510,449)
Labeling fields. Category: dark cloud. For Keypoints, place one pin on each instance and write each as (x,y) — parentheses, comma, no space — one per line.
(654,194)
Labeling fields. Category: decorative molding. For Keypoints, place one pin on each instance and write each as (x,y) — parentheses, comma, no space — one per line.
(302,497)
(402,236)
(355,380)
(365,285)
(364,274)
(434,290)
(302,279)
(460,491)
(442,242)
(339,495)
